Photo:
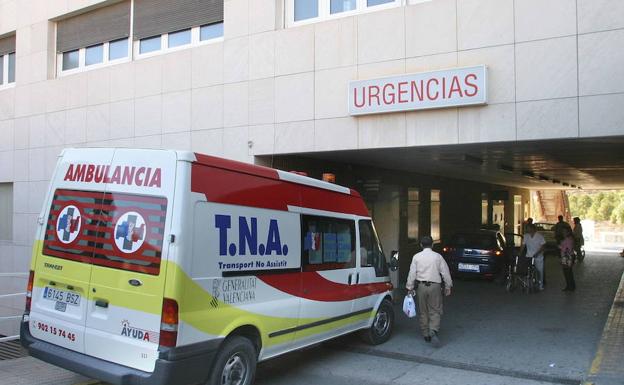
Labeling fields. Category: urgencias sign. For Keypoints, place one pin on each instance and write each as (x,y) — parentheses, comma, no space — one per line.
(437,89)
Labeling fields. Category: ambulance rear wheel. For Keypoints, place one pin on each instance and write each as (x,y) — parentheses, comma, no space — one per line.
(235,363)
(383,323)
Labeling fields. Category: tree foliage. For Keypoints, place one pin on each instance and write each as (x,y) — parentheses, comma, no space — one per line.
(599,206)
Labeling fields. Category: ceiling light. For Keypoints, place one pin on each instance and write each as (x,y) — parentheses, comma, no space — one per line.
(555,181)
(565,184)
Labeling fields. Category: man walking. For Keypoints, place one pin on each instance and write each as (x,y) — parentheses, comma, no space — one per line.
(559,229)
(429,270)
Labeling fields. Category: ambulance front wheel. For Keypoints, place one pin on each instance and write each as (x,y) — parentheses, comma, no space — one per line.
(235,363)
(383,323)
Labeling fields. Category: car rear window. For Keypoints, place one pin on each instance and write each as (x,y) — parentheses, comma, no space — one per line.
(116,230)
(474,241)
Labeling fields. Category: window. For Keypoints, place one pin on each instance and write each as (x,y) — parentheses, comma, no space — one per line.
(372,3)
(120,231)
(118,49)
(211,31)
(6,211)
(484,209)
(7,60)
(175,23)
(11,64)
(71,60)
(328,243)
(371,254)
(435,214)
(94,54)
(93,38)
(304,11)
(413,214)
(150,44)
(337,6)
(179,38)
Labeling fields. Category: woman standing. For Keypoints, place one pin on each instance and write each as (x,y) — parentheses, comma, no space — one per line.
(567,259)
(579,241)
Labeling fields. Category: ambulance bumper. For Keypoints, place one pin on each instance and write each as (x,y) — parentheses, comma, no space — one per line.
(181,366)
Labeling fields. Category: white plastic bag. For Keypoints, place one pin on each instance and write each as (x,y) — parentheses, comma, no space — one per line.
(409,306)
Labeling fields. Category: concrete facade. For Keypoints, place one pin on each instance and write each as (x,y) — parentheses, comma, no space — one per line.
(555,71)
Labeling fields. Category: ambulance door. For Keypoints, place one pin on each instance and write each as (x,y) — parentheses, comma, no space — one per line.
(64,249)
(329,277)
(372,269)
(129,264)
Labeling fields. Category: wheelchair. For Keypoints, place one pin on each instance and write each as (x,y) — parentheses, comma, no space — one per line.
(521,273)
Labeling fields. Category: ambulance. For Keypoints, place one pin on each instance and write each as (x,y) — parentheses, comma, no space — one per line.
(171,267)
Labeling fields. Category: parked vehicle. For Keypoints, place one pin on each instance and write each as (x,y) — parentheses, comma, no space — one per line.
(169,267)
(479,253)
(548,232)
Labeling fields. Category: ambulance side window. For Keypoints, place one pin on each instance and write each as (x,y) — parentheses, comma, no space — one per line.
(371,254)
(327,244)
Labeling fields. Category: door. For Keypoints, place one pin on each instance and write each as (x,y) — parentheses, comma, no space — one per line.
(65,249)
(129,263)
(372,271)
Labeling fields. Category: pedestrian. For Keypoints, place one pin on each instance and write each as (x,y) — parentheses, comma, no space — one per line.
(529,221)
(567,259)
(429,270)
(559,227)
(533,244)
(579,241)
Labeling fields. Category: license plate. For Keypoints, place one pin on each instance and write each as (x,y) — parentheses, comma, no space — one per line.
(61,296)
(468,267)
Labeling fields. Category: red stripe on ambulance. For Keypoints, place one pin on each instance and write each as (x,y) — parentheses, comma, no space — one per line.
(256,186)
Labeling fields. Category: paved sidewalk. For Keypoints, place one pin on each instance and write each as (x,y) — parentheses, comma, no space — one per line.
(607,368)
(31,371)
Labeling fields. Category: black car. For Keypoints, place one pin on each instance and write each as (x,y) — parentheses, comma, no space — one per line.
(480,253)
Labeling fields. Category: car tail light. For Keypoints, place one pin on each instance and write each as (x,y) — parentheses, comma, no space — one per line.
(498,253)
(445,249)
(169,323)
(29,289)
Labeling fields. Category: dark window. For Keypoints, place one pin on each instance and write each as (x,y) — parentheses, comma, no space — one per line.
(120,231)
(371,254)
(328,243)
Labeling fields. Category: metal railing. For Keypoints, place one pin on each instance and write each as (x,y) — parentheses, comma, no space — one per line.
(11,295)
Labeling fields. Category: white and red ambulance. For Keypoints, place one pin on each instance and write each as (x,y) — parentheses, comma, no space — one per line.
(170,267)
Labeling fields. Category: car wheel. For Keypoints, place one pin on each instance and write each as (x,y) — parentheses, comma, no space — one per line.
(383,323)
(235,363)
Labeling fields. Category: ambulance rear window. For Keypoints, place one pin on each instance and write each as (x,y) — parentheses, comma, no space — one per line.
(116,230)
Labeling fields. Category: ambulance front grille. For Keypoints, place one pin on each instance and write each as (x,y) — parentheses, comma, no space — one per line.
(10,350)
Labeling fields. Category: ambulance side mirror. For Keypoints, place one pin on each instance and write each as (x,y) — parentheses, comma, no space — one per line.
(394,260)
